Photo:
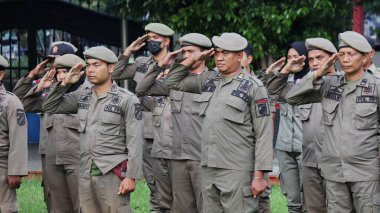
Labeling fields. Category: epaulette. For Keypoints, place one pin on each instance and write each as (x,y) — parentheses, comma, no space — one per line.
(125,91)
(255,79)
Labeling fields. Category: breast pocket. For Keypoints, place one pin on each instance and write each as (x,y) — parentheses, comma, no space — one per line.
(49,121)
(157,114)
(305,111)
(71,122)
(200,103)
(82,119)
(235,110)
(329,111)
(366,116)
(176,97)
(111,124)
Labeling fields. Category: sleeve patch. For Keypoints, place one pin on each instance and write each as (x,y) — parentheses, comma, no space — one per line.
(20,117)
(262,107)
(138,112)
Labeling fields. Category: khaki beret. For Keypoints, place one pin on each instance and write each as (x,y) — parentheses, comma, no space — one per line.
(320,44)
(101,53)
(230,41)
(354,40)
(68,60)
(196,39)
(64,42)
(159,28)
(3,62)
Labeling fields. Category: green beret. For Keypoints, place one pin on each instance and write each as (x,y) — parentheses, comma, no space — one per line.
(320,44)
(68,60)
(160,29)
(354,40)
(196,39)
(101,53)
(3,62)
(64,42)
(230,41)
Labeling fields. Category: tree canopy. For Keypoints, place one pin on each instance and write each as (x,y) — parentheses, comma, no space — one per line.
(269,25)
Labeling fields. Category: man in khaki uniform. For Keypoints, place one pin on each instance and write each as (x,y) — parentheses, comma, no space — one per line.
(319,51)
(110,126)
(237,133)
(350,102)
(24,85)
(13,145)
(63,150)
(186,148)
(157,41)
(152,84)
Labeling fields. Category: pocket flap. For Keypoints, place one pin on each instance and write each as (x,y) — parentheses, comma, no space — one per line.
(49,121)
(365,109)
(237,103)
(205,96)
(71,122)
(329,106)
(176,95)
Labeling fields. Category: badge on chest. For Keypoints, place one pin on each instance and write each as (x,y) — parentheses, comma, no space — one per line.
(334,93)
(209,85)
(242,91)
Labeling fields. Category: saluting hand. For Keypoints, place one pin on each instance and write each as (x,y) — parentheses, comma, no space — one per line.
(136,45)
(46,81)
(14,182)
(276,66)
(323,70)
(198,57)
(126,186)
(295,65)
(38,70)
(169,58)
(73,75)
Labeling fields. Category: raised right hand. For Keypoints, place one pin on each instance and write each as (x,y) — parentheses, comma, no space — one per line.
(38,70)
(324,68)
(73,75)
(46,81)
(136,45)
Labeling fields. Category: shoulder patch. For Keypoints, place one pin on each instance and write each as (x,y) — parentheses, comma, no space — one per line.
(20,115)
(262,107)
(138,112)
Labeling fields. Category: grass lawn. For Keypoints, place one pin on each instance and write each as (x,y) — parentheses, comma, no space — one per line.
(30,197)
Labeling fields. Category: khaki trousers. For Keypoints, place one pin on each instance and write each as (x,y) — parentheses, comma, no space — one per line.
(314,190)
(98,194)
(351,196)
(148,162)
(227,191)
(8,199)
(163,183)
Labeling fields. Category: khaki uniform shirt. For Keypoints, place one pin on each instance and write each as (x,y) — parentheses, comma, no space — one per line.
(350,150)
(13,135)
(22,87)
(310,116)
(136,71)
(237,127)
(62,131)
(374,70)
(110,127)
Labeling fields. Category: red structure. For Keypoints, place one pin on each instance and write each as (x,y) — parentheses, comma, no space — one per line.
(358,16)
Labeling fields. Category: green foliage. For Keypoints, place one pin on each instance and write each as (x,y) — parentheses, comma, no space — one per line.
(270,25)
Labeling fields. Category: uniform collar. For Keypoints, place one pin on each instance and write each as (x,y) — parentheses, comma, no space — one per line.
(363,82)
(114,88)
(2,89)
(372,69)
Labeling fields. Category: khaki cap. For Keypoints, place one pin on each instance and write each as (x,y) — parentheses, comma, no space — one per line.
(3,62)
(159,28)
(196,39)
(320,44)
(354,40)
(68,60)
(101,53)
(230,41)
